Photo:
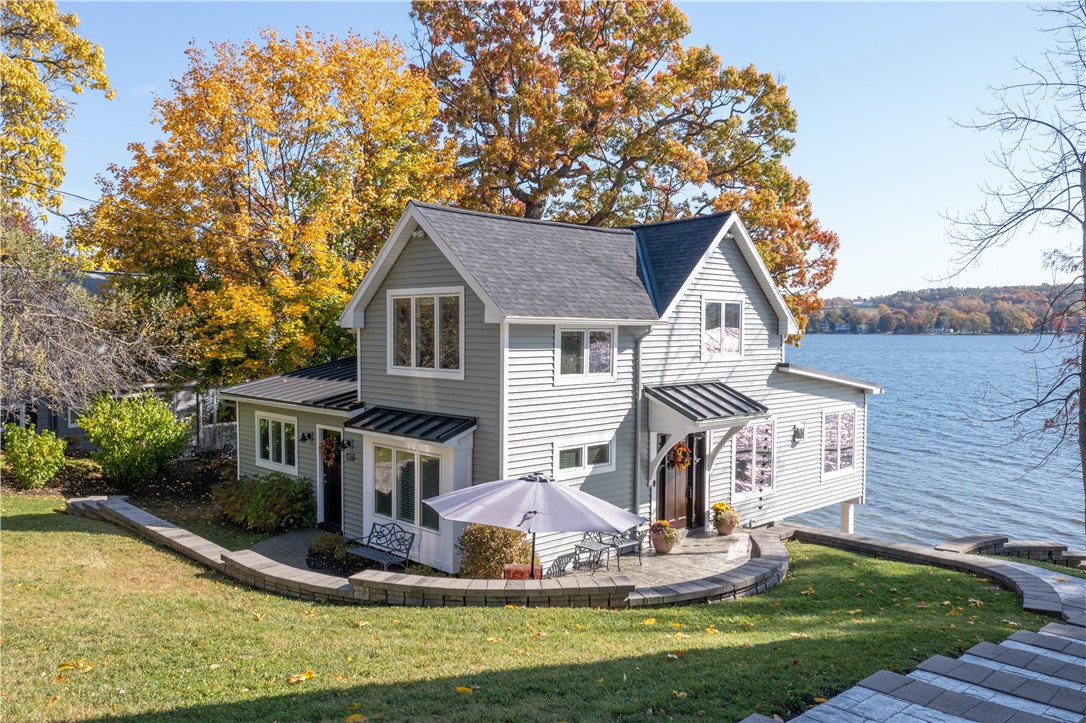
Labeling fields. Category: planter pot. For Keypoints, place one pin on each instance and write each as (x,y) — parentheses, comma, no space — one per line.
(660,544)
(725,529)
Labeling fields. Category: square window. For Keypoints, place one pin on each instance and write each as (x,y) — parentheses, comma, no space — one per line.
(571,458)
(276,443)
(425,333)
(599,454)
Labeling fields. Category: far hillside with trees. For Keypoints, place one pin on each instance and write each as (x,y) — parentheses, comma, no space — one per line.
(951,310)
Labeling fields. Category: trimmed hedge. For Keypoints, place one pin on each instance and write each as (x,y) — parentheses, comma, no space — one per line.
(270,503)
(485,549)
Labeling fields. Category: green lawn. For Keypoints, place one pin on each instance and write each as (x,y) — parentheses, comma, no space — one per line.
(1068,571)
(169,640)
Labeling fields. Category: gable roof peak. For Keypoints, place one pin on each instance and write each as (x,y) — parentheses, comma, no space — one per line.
(722,215)
(521,219)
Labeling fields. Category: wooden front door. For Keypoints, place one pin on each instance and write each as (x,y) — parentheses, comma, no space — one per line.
(680,491)
(331,463)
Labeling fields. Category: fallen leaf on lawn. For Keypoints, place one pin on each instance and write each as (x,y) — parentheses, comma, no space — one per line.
(259,617)
(511,607)
(712,630)
(360,623)
(541,633)
(648,621)
(820,700)
(1061,579)
(921,604)
(680,636)
(61,679)
(463,689)
(300,677)
(350,658)
(893,589)
(397,620)
(857,611)
(946,602)
(676,625)
(85,667)
(673,656)
(493,639)
(973,602)
(213,666)
(354,706)
(799,635)
(310,613)
(680,694)
(1012,623)
(601,680)
(66,666)
(748,623)
(809,591)
(355,718)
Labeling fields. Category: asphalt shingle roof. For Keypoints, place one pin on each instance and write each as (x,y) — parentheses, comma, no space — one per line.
(673,248)
(544,268)
(333,385)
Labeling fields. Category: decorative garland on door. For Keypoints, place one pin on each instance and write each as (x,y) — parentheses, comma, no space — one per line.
(330,450)
(679,457)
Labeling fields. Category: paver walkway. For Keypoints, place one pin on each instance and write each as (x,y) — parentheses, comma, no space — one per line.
(290,548)
(1028,677)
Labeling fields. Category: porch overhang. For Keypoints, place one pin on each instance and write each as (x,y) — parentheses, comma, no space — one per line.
(442,429)
(699,406)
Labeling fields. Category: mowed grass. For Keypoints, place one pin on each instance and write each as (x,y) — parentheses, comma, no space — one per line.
(160,638)
(1063,569)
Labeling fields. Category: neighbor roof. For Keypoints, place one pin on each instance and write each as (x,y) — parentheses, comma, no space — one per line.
(333,385)
(706,401)
(544,268)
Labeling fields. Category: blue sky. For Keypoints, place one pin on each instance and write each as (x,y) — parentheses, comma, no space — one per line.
(877,88)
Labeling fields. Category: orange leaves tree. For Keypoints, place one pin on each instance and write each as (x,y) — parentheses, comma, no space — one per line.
(596,112)
(284,165)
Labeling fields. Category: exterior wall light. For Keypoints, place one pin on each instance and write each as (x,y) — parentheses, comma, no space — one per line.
(306,436)
(799,432)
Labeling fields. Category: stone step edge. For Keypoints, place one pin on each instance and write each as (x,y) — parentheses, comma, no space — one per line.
(1026,660)
(1007,683)
(950,702)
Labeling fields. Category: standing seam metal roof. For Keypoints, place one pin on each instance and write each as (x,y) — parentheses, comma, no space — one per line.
(703,401)
(333,385)
(406,423)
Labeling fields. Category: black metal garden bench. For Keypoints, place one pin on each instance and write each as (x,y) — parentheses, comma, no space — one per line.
(387,544)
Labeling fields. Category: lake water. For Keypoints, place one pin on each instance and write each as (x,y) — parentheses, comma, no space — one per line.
(935,466)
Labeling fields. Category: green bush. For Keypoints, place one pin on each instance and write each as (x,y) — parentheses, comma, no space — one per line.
(34,458)
(485,549)
(330,545)
(270,503)
(136,436)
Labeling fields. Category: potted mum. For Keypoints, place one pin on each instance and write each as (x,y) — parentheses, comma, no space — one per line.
(663,536)
(725,518)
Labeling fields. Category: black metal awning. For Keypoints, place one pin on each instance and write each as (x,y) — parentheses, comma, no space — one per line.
(332,386)
(706,401)
(416,425)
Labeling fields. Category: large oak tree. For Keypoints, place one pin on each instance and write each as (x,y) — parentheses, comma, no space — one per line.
(284,166)
(598,113)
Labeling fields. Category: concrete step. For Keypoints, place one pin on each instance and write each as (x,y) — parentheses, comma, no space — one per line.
(1013,690)
(1057,644)
(88,506)
(943,701)
(1071,632)
(1038,662)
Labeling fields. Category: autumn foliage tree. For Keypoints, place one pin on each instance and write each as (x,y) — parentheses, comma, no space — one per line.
(43,65)
(597,113)
(284,166)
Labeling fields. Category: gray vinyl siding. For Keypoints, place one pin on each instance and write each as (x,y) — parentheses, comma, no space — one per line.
(799,485)
(542,414)
(421,264)
(307,453)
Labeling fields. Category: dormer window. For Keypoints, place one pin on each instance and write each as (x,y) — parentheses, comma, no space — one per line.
(425,336)
(722,329)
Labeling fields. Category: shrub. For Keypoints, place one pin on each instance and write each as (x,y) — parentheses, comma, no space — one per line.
(136,436)
(330,545)
(484,549)
(34,458)
(270,503)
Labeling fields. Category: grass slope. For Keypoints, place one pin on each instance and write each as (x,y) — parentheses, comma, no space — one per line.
(169,640)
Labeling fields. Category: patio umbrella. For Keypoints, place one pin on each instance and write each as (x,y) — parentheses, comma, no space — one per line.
(533,503)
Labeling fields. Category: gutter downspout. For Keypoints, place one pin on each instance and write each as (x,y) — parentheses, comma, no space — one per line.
(358,363)
(638,441)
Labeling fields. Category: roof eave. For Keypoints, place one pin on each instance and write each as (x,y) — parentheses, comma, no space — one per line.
(808,373)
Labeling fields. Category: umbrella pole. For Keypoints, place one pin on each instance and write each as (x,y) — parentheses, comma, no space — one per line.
(531,562)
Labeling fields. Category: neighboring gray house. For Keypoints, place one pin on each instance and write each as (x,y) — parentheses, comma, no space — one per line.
(491,346)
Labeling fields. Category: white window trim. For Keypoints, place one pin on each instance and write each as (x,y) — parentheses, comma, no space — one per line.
(855,447)
(268,464)
(412,371)
(445,480)
(561,379)
(72,423)
(718,299)
(736,495)
(583,441)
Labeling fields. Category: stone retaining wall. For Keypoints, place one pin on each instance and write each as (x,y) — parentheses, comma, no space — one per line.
(1042,551)
(1038,596)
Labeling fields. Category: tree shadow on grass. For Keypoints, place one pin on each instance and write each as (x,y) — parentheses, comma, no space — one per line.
(58,521)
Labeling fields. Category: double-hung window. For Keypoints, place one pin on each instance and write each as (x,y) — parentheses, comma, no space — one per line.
(402,479)
(838,442)
(585,354)
(576,458)
(426,332)
(722,329)
(754,459)
(277,442)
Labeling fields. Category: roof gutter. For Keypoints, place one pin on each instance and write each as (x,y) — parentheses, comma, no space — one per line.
(551,320)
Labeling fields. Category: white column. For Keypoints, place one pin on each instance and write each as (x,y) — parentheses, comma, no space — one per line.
(848,517)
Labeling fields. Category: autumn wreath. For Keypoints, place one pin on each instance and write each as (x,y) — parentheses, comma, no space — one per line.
(679,457)
(330,450)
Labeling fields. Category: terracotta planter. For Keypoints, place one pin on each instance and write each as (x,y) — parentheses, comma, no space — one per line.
(661,544)
(725,529)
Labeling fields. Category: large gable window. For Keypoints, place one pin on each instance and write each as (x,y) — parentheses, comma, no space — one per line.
(838,442)
(754,459)
(402,479)
(426,332)
(277,442)
(585,353)
(722,328)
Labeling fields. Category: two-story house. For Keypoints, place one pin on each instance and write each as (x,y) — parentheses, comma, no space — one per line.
(490,346)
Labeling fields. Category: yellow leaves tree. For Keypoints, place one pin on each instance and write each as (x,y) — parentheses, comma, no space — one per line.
(284,166)
(44,63)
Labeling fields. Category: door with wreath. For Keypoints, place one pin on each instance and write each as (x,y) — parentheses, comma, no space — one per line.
(678,482)
(331,466)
